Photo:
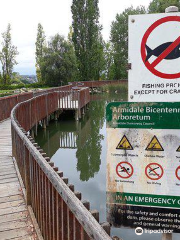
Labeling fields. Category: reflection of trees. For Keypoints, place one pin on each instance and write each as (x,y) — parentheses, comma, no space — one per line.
(89,150)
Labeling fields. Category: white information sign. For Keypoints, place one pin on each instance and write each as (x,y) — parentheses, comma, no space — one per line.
(154,54)
(143,165)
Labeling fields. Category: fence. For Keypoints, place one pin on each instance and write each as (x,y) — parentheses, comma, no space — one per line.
(8,103)
(58,210)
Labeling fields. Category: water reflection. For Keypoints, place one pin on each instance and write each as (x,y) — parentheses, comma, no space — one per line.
(89,148)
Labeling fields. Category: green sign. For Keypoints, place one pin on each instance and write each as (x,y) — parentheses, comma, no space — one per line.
(164,115)
(144,199)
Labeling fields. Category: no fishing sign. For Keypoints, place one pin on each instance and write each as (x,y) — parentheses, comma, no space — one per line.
(154,54)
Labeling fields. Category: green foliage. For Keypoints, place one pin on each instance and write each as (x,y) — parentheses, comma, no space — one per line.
(159,6)
(109,61)
(87,39)
(24,81)
(22,85)
(36,85)
(117,88)
(11,87)
(7,56)
(16,78)
(40,45)
(59,62)
(119,40)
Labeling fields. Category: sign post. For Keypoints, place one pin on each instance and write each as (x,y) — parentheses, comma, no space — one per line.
(143,141)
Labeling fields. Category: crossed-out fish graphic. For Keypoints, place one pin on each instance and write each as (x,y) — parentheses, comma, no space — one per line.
(174,54)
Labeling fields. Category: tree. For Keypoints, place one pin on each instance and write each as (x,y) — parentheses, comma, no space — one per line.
(59,62)
(119,40)
(159,6)
(109,61)
(87,38)
(16,78)
(40,45)
(7,56)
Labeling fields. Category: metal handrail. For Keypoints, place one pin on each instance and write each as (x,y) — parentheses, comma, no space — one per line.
(31,157)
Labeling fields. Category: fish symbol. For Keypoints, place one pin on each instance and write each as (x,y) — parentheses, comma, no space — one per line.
(174,54)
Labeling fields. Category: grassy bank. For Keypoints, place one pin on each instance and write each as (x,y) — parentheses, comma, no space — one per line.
(116,88)
(7,90)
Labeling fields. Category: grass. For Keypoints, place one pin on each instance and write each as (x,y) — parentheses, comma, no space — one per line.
(6,90)
(116,88)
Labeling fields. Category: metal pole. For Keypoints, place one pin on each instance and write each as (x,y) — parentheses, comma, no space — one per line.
(170,9)
(167,236)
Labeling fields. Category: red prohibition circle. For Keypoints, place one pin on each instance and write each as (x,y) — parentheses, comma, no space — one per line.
(178,177)
(128,174)
(143,47)
(158,176)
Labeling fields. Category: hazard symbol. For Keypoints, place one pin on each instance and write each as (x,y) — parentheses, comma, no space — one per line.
(124,170)
(178,173)
(168,50)
(154,171)
(124,144)
(154,145)
(178,150)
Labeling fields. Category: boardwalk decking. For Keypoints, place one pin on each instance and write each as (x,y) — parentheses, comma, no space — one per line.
(15,222)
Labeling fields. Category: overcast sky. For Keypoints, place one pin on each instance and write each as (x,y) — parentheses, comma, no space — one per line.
(55,16)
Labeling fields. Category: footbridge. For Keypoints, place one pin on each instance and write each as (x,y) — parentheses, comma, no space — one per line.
(37,201)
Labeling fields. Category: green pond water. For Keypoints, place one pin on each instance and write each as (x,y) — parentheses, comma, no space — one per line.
(79,150)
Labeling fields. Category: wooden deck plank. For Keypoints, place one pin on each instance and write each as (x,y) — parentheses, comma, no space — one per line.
(15,220)
(14,216)
(6,164)
(14,233)
(7,172)
(24,238)
(16,203)
(10,198)
(8,180)
(8,176)
(20,223)
(9,210)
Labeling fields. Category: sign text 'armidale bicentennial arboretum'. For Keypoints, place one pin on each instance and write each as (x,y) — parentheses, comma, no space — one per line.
(140,115)
(143,165)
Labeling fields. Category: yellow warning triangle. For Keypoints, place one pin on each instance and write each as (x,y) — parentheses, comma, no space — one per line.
(124,144)
(178,150)
(154,145)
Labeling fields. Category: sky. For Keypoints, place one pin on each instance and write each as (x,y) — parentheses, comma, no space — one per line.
(55,16)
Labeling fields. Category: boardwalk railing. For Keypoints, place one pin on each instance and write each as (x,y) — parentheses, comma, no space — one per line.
(58,209)
(76,98)
(8,103)
(94,84)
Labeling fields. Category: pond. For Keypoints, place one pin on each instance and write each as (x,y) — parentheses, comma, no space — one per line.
(79,150)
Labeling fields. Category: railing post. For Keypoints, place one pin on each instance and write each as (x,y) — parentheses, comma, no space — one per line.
(79,104)
(55,116)
(27,159)
(167,236)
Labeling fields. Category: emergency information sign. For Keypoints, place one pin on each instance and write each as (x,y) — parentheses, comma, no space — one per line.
(154,54)
(143,165)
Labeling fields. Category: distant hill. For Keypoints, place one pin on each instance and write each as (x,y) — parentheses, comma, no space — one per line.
(28,79)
